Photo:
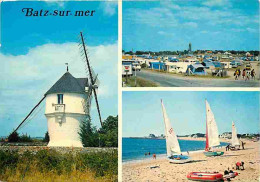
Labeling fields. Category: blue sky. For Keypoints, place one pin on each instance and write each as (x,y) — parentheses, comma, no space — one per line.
(171,25)
(34,52)
(142,112)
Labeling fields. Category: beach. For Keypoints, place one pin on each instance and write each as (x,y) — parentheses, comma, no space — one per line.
(140,170)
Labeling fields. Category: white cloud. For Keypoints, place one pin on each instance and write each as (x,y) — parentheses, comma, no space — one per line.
(46,64)
(161,32)
(204,31)
(155,17)
(220,3)
(171,5)
(109,7)
(191,25)
(252,30)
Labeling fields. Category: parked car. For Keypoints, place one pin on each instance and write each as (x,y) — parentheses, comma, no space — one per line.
(248,66)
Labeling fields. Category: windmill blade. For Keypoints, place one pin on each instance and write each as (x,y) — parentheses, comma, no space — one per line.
(88,104)
(90,71)
(96,81)
(95,94)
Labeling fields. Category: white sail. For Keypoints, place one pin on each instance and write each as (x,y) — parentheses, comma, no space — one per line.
(213,138)
(172,143)
(235,140)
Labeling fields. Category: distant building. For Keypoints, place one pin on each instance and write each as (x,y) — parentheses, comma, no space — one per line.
(152,136)
(189,47)
(227,135)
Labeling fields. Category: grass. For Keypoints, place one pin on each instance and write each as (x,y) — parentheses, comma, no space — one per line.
(50,165)
(140,82)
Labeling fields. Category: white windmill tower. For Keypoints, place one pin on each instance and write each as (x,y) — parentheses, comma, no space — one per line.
(64,110)
(68,104)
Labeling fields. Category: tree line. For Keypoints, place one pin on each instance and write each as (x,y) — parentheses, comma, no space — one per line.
(161,53)
(106,136)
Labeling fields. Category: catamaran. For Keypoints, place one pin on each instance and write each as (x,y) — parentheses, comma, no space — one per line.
(234,141)
(174,154)
(212,139)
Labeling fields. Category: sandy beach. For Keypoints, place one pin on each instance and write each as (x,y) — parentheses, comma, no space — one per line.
(140,170)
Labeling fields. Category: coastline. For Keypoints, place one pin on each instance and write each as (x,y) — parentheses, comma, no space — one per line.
(183,138)
(139,170)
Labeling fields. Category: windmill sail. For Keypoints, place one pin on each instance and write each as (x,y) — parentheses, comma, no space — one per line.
(172,143)
(212,138)
(93,81)
(235,140)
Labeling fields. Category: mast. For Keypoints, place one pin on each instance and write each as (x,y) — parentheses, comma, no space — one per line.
(207,140)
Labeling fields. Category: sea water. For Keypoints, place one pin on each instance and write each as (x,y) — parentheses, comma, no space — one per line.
(135,148)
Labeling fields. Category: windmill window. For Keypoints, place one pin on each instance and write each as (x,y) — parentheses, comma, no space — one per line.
(60,98)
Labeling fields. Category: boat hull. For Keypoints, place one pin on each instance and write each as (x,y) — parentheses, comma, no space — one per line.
(211,154)
(204,176)
(179,159)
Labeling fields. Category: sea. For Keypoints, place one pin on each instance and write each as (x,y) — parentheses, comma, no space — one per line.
(135,148)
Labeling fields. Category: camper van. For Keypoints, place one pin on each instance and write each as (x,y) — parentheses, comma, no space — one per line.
(136,66)
(235,64)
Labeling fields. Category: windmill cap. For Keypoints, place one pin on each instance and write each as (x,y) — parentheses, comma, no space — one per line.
(69,84)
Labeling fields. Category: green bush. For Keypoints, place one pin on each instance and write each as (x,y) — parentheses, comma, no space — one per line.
(107,136)
(144,65)
(25,138)
(8,159)
(13,137)
(46,137)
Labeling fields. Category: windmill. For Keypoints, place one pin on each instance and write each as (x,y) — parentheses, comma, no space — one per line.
(64,110)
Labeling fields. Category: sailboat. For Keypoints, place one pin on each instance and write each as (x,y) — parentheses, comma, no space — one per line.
(212,139)
(234,141)
(173,148)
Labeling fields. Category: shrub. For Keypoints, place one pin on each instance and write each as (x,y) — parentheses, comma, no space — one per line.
(107,136)
(144,65)
(13,137)
(25,138)
(46,137)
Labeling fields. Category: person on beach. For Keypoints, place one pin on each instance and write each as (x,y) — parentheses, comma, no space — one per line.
(240,164)
(253,74)
(226,175)
(236,74)
(154,156)
(149,153)
(244,73)
(227,147)
(243,145)
(145,154)
(239,72)
(188,153)
(247,75)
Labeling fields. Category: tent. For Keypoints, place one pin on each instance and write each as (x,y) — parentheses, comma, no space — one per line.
(196,69)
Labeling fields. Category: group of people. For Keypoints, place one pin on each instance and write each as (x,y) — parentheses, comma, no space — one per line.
(246,74)
(229,147)
(148,153)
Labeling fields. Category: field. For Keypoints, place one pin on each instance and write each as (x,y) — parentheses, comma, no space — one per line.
(53,165)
